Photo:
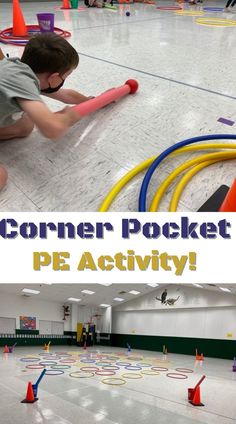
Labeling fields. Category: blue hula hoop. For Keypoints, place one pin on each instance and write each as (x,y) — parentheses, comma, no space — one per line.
(167,152)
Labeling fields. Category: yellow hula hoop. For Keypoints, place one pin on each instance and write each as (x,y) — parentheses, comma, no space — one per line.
(215,22)
(189,13)
(132,376)
(116,189)
(150,372)
(185,180)
(107,381)
(165,184)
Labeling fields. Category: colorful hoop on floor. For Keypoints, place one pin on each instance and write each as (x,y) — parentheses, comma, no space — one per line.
(143,365)
(89,369)
(133,368)
(132,375)
(176,375)
(149,372)
(124,364)
(159,369)
(213,9)
(169,8)
(30,359)
(47,363)
(215,22)
(102,364)
(54,372)
(45,354)
(34,367)
(187,370)
(7,37)
(135,358)
(60,367)
(110,368)
(104,373)
(189,13)
(110,381)
(67,361)
(53,358)
(81,374)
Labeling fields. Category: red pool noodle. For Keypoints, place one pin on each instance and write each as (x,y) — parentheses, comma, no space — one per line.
(104,99)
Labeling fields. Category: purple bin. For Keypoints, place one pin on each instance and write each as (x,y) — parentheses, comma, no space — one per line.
(46,22)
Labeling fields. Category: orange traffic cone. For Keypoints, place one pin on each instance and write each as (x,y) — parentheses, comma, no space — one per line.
(6,349)
(19,27)
(66,4)
(196,398)
(229,204)
(29,395)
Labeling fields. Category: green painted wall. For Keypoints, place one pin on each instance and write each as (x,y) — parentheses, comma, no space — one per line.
(209,347)
(32,338)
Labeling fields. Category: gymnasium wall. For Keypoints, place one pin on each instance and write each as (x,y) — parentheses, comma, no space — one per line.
(215,323)
(199,319)
(14,306)
(49,315)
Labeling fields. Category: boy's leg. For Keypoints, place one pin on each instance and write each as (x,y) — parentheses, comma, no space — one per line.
(22,128)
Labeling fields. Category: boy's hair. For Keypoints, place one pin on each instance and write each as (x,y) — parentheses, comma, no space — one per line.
(49,53)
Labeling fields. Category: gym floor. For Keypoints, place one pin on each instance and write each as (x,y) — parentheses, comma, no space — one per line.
(151,398)
(186,77)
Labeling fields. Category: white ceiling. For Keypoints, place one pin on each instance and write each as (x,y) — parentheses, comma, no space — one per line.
(103,294)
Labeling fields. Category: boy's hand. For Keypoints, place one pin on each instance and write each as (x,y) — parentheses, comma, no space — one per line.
(52,125)
(69,115)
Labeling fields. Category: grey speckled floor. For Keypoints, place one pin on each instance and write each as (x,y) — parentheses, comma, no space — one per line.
(152,399)
(186,76)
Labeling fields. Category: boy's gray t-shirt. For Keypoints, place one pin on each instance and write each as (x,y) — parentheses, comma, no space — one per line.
(17,80)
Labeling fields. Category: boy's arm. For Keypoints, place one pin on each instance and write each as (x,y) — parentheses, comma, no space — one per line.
(51,125)
(70,97)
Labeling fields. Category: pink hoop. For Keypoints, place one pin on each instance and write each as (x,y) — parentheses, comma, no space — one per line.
(35,367)
(187,370)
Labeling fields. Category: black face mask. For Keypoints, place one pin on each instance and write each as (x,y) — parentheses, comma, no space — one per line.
(51,90)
